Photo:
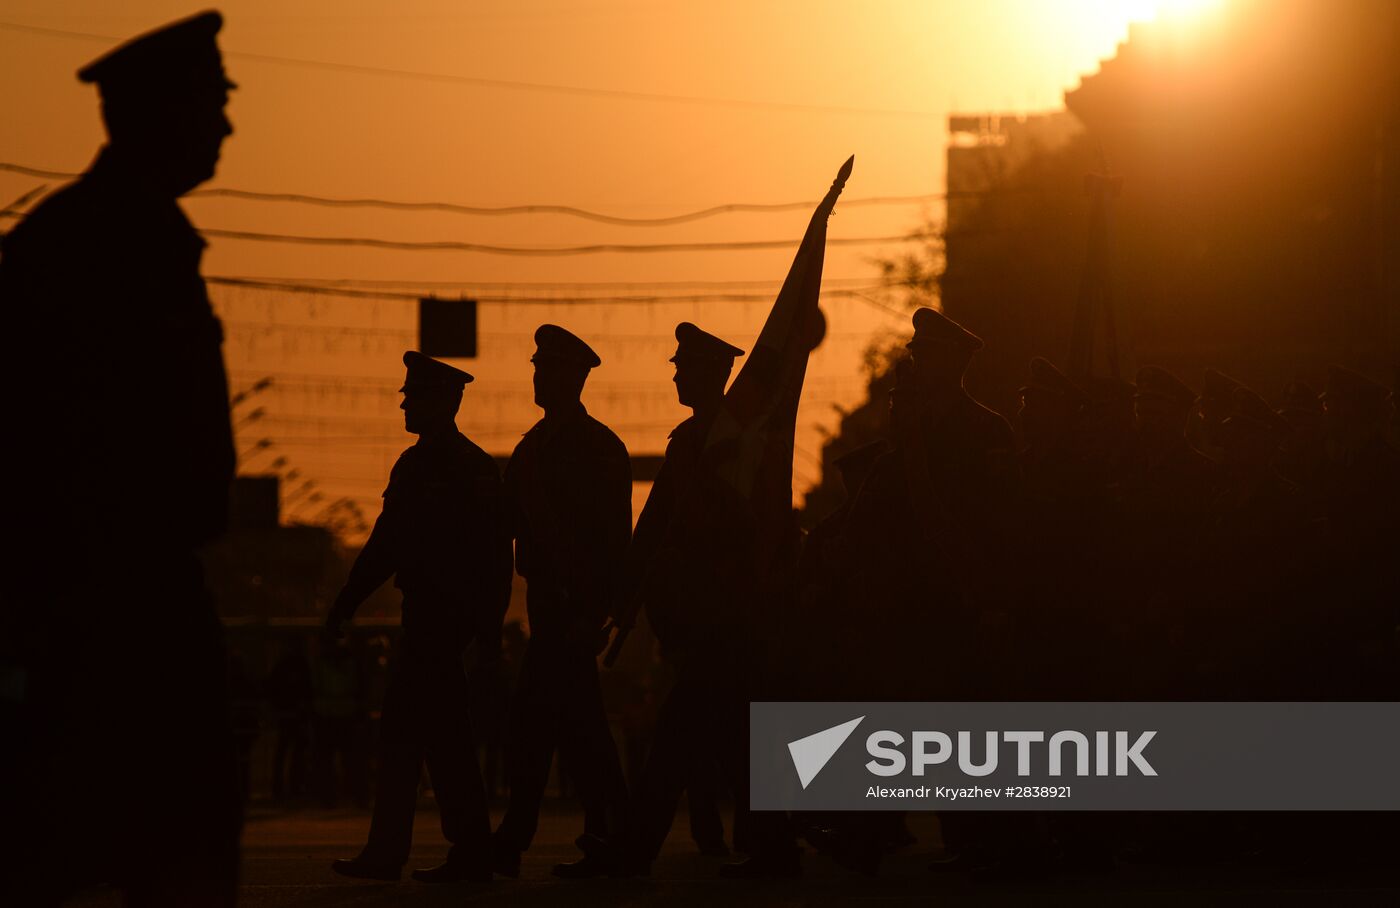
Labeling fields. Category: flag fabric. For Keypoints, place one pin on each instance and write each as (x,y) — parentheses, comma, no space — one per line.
(750,445)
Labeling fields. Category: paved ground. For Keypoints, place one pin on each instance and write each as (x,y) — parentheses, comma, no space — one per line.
(287,856)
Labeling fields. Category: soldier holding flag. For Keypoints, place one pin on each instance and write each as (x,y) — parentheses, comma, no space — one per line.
(717,546)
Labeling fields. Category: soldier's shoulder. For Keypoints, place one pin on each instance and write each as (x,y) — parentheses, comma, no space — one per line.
(992,424)
(470,456)
(684,432)
(61,213)
(604,438)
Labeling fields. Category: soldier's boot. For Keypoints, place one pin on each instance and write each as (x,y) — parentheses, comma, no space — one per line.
(505,861)
(458,868)
(585,868)
(367,867)
(713,848)
(600,858)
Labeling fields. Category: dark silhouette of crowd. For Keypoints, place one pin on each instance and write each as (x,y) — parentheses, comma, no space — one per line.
(1139,540)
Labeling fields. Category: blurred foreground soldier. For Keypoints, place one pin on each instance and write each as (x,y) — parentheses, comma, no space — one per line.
(568,494)
(442,536)
(110,333)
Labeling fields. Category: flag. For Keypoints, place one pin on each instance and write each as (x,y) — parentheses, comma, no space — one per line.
(750,445)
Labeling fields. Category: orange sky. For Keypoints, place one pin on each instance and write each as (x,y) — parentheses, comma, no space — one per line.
(337,133)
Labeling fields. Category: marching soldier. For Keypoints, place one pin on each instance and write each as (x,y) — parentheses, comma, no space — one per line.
(1304,456)
(1361,486)
(915,549)
(568,491)
(688,567)
(1164,503)
(1260,540)
(122,488)
(443,537)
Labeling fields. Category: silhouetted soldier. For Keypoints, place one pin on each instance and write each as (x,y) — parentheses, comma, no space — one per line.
(1303,459)
(1216,403)
(568,493)
(443,537)
(940,487)
(1164,502)
(919,552)
(689,568)
(1259,540)
(110,335)
(1361,488)
(1061,511)
(819,657)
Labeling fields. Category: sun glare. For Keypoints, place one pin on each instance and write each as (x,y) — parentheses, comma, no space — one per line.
(1178,9)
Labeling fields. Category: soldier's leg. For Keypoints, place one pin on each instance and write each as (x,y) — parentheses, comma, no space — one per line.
(768,833)
(452,765)
(678,741)
(586,745)
(530,741)
(702,800)
(188,814)
(401,754)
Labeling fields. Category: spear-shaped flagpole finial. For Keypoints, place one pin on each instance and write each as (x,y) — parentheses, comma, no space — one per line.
(837,185)
(844,174)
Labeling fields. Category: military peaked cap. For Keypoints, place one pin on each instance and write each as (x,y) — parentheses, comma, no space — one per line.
(553,342)
(424,372)
(932,325)
(692,343)
(1251,408)
(1300,397)
(1045,377)
(1218,385)
(1154,381)
(173,58)
(1348,385)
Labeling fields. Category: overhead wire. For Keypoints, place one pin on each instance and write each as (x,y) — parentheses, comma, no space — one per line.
(337,291)
(588,249)
(504,210)
(515,85)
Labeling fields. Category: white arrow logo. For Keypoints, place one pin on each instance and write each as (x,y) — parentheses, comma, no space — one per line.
(811,753)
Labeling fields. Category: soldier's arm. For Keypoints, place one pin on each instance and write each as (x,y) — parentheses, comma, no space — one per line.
(496,565)
(647,540)
(375,564)
(598,555)
(617,519)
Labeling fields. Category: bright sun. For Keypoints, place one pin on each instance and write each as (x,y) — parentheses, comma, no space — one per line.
(1174,9)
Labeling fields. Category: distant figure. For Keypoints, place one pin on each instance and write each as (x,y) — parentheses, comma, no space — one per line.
(337,701)
(568,493)
(289,691)
(112,644)
(442,536)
